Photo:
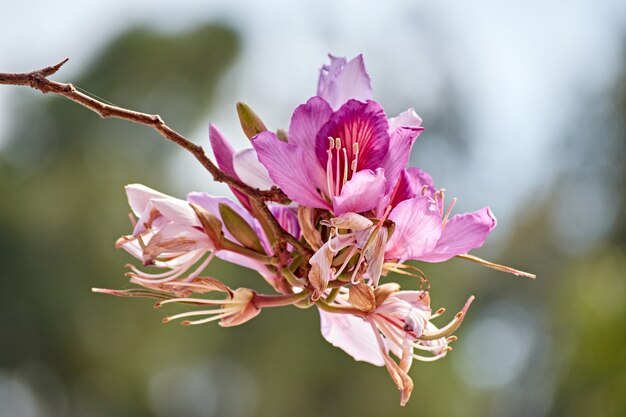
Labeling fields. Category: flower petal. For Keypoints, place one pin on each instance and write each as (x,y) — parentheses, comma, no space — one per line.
(407,118)
(417,229)
(359,123)
(361,193)
(400,145)
(343,80)
(411,184)
(224,156)
(461,234)
(250,170)
(299,177)
(353,335)
(306,121)
(139,196)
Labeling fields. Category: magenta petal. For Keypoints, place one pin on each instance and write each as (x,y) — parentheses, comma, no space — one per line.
(357,122)
(222,150)
(361,193)
(344,80)
(461,234)
(306,121)
(407,118)
(353,335)
(413,182)
(399,151)
(299,177)
(417,229)
(224,156)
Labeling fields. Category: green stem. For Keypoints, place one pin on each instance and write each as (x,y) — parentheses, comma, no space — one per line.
(339,309)
(279,300)
(233,247)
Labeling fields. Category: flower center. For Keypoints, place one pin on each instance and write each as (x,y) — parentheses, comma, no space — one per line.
(339,167)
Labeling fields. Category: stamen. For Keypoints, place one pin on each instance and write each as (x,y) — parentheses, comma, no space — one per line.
(345,166)
(445,218)
(198,301)
(438,313)
(200,313)
(329,169)
(355,161)
(348,258)
(338,167)
(433,358)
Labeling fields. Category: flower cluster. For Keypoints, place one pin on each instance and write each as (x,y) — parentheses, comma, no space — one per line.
(356,213)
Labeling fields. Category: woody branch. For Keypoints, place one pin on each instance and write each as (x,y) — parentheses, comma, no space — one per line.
(38,80)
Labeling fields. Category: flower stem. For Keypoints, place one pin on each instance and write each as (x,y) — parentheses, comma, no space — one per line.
(279,300)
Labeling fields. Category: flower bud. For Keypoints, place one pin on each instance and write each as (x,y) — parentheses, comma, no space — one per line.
(240,229)
(211,224)
(251,123)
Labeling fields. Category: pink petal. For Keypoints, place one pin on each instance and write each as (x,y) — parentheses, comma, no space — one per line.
(139,196)
(411,184)
(224,156)
(353,335)
(306,121)
(177,211)
(407,118)
(461,234)
(341,81)
(359,123)
(222,150)
(361,193)
(417,229)
(288,166)
(397,158)
(250,170)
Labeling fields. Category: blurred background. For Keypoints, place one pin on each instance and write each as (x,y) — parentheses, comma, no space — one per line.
(524,105)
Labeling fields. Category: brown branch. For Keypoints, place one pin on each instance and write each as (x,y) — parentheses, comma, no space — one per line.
(39,81)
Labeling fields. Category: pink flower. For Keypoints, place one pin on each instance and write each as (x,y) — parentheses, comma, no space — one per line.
(399,323)
(459,233)
(343,153)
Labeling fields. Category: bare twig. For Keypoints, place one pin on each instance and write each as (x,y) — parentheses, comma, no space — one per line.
(39,81)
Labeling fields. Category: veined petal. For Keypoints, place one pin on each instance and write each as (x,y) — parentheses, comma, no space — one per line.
(343,80)
(175,239)
(417,229)
(306,121)
(356,122)
(164,210)
(299,177)
(177,211)
(353,335)
(462,233)
(139,196)
(400,145)
(411,183)
(250,170)
(361,193)
(407,118)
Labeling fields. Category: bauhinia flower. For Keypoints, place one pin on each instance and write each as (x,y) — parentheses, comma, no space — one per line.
(342,153)
(353,213)
(374,324)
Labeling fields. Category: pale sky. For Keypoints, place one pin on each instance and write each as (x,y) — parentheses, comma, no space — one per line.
(519,66)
